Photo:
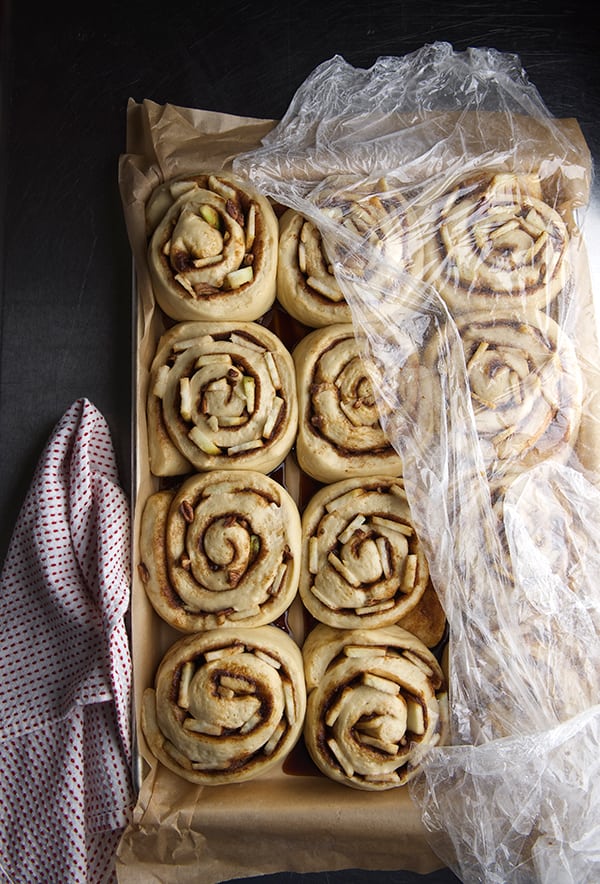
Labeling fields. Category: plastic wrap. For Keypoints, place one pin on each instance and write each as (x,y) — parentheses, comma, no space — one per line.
(452,207)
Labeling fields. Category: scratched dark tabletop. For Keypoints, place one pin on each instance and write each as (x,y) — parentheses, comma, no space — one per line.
(65,260)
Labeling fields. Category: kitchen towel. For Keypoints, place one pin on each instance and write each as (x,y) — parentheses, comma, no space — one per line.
(65,665)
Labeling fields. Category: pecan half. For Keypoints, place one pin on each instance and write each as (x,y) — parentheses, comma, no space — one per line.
(204,288)
(187,511)
(234,211)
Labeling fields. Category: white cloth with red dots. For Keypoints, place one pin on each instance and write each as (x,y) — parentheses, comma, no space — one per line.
(65,666)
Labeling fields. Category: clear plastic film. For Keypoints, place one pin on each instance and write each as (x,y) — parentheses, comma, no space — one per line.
(452,208)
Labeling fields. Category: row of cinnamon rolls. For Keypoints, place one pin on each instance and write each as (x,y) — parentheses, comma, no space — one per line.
(217,248)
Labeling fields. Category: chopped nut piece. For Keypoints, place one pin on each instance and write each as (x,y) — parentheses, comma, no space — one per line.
(187,511)
(234,211)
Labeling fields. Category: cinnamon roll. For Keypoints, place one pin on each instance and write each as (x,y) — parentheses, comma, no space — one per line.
(377,217)
(221,395)
(306,285)
(227,704)
(525,386)
(213,248)
(339,431)
(223,549)
(497,242)
(376,701)
(362,563)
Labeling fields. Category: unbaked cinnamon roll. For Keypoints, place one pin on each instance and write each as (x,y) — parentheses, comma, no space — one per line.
(339,432)
(227,705)
(213,248)
(525,386)
(362,563)
(223,549)
(376,701)
(221,395)
(378,218)
(306,285)
(496,242)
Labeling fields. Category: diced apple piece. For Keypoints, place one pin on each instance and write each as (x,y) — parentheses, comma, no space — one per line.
(204,442)
(249,387)
(160,382)
(239,277)
(210,215)
(185,397)
(272,417)
(250,227)
(415,720)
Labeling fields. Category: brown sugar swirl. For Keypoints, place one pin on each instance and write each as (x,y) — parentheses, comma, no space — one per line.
(362,563)
(339,430)
(227,705)
(376,701)
(221,395)
(223,549)
(213,248)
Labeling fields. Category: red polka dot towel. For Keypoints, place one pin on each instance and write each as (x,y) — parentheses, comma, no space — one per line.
(65,668)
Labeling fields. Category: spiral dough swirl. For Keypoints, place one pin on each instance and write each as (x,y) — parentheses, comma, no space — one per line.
(227,704)
(525,385)
(362,562)
(376,701)
(496,241)
(223,549)
(221,395)
(339,432)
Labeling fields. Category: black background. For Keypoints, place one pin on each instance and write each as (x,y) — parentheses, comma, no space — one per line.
(67,74)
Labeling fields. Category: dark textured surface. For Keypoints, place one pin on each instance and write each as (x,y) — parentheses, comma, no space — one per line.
(66,78)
